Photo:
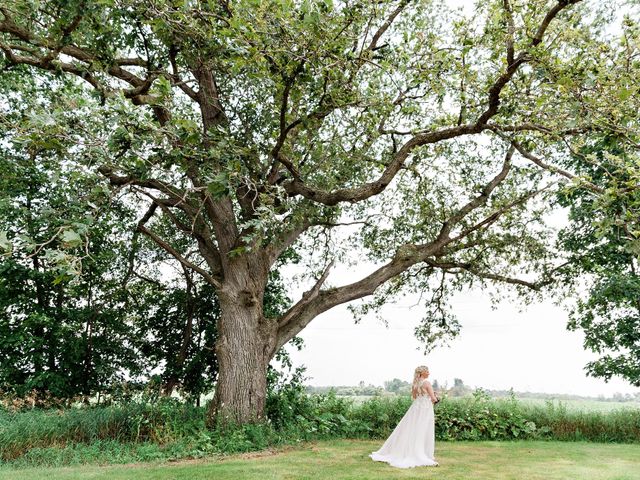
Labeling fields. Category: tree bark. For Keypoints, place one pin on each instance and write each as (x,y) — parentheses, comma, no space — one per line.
(246,343)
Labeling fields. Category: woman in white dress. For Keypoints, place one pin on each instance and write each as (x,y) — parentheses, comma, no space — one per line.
(412,442)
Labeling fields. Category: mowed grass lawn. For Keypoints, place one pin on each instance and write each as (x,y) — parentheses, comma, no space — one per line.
(347,459)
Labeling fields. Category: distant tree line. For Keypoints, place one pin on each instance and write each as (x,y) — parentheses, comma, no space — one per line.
(400,387)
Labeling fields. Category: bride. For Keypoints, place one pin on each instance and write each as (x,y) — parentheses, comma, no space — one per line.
(411,444)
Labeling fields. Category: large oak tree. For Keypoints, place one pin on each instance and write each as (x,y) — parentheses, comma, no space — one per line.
(419,138)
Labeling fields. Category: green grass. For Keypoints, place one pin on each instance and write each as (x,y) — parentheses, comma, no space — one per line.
(571,405)
(584,405)
(347,459)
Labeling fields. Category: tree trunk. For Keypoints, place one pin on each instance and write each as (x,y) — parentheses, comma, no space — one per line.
(245,345)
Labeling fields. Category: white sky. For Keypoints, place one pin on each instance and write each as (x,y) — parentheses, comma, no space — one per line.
(498,349)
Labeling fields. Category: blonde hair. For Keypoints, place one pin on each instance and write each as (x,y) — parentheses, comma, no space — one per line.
(416,379)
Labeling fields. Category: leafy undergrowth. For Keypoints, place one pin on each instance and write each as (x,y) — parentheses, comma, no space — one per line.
(169,430)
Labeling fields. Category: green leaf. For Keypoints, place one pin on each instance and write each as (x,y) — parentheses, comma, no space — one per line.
(5,244)
(70,239)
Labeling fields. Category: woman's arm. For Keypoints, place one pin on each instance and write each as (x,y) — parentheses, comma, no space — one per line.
(432,395)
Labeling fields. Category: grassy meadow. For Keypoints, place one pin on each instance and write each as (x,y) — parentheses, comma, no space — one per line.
(574,405)
(348,460)
(584,405)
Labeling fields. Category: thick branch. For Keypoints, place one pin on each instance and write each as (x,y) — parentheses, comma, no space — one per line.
(51,65)
(198,229)
(209,98)
(553,13)
(406,256)
(121,181)
(85,70)
(177,199)
(534,127)
(307,296)
(297,187)
(301,314)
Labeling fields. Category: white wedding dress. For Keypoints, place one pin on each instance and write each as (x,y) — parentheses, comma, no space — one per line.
(412,442)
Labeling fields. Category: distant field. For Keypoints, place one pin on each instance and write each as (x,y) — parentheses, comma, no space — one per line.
(573,405)
(348,460)
(584,405)
(358,399)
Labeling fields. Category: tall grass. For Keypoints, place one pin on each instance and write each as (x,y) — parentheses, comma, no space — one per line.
(168,429)
(558,423)
(158,423)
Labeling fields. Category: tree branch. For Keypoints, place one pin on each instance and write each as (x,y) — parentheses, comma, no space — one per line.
(297,318)
(385,26)
(52,62)
(173,252)
(511,30)
(551,168)
(527,126)
(557,8)
(197,230)
(406,256)
(512,67)
(296,186)
(120,181)
(307,296)
(498,213)
(285,239)
(479,200)
(450,266)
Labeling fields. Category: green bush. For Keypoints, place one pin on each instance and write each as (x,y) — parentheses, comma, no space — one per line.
(167,429)
(479,419)
(377,417)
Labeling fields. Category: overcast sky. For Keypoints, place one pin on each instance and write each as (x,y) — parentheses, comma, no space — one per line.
(498,349)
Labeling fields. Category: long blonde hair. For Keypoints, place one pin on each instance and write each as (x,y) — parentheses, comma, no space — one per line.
(416,379)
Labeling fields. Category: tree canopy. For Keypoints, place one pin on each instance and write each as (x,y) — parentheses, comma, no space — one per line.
(602,240)
(402,133)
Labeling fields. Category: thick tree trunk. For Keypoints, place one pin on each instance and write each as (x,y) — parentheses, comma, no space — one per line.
(245,345)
